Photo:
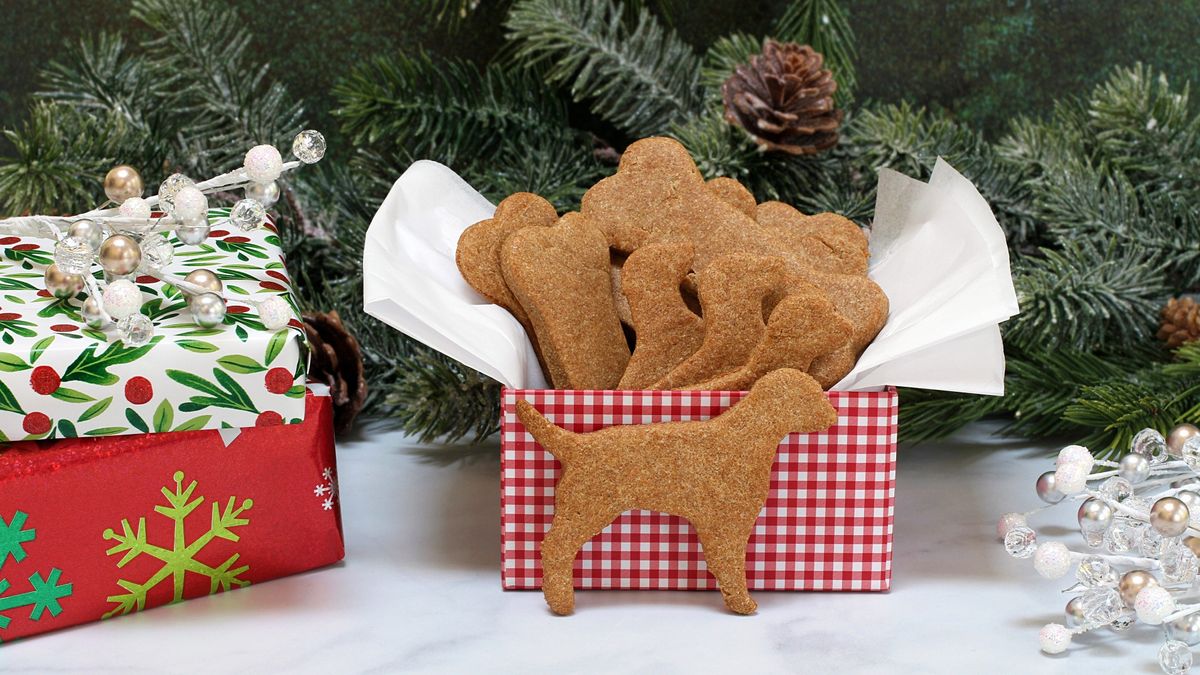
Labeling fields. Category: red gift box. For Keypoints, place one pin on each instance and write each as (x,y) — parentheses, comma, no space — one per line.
(826,526)
(99,527)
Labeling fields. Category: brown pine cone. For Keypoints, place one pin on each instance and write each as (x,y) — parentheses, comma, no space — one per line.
(784,98)
(1180,321)
(336,361)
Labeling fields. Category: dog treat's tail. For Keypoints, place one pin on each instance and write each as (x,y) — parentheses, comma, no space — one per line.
(556,440)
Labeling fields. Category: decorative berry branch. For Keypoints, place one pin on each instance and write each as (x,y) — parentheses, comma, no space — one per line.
(130,238)
(1147,503)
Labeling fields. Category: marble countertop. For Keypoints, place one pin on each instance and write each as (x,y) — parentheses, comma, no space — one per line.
(420,592)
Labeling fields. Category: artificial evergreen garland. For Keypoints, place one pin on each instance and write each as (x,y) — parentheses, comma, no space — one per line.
(1100,199)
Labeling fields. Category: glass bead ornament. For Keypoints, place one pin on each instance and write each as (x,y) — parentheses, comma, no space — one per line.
(275,313)
(1179,565)
(171,187)
(248,215)
(1190,451)
(191,206)
(1116,488)
(1095,571)
(1020,542)
(73,255)
(1150,444)
(263,164)
(134,207)
(1094,516)
(136,329)
(157,252)
(1101,605)
(263,193)
(309,146)
(1123,536)
(1175,657)
(1126,619)
(122,298)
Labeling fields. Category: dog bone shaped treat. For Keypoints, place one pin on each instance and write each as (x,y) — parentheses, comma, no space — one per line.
(560,276)
(715,473)
(802,327)
(668,332)
(828,241)
(658,194)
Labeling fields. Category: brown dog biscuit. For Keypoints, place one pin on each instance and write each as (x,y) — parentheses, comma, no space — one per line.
(802,327)
(734,193)
(830,242)
(615,266)
(560,276)
(667,331)
(732,292)
(478,252)
(715,473)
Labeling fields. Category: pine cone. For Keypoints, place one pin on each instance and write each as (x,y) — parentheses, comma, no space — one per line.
(1180,321)
(336,361)
(784,98)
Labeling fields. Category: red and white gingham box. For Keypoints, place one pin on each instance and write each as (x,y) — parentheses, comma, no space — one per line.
(826,526)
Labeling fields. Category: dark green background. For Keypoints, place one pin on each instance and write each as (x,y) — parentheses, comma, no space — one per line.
(983,60)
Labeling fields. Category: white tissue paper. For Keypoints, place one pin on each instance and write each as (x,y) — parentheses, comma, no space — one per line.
(936,251)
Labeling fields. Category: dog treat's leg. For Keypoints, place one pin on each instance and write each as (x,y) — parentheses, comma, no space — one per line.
(571,529)
(725,553)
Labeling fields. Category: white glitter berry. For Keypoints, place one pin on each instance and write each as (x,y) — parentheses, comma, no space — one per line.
(1153,604)
(263,163)
(1007,522)
(1052,560)
(122,298)
(134,207)
(274,312)
(1054,638)
(1076,454)
(1071,479)
(190,205)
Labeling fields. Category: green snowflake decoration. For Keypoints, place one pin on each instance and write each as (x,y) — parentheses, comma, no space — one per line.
(180,559)
(46,592)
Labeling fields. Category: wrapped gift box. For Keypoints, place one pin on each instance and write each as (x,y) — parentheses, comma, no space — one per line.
(59,378)
(826,526)
(99,527)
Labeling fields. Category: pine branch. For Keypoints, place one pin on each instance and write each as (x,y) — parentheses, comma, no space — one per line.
(823,25)
(501,129)
(1087,296)
(640,77)
(723,57)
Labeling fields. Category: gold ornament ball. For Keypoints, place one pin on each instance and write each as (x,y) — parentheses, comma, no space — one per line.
(1194,544)
(206,278)
(1180,435)
(1169,517)
(62,285)
(123,182)
(1132,583)
(120,255)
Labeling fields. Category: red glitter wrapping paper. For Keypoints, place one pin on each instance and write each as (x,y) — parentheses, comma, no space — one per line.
(100,527)
(826,526)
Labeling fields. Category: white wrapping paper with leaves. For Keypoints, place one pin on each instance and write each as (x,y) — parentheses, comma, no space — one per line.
(936,250)
(59,378)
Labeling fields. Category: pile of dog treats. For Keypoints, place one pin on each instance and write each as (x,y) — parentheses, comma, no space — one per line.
(665,281)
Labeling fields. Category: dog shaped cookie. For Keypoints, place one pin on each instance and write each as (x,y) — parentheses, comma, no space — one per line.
(715,473)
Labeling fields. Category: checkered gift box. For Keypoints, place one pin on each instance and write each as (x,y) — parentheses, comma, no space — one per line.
(826,526)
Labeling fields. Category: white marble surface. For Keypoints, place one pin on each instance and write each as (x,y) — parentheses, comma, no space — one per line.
(420,592)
